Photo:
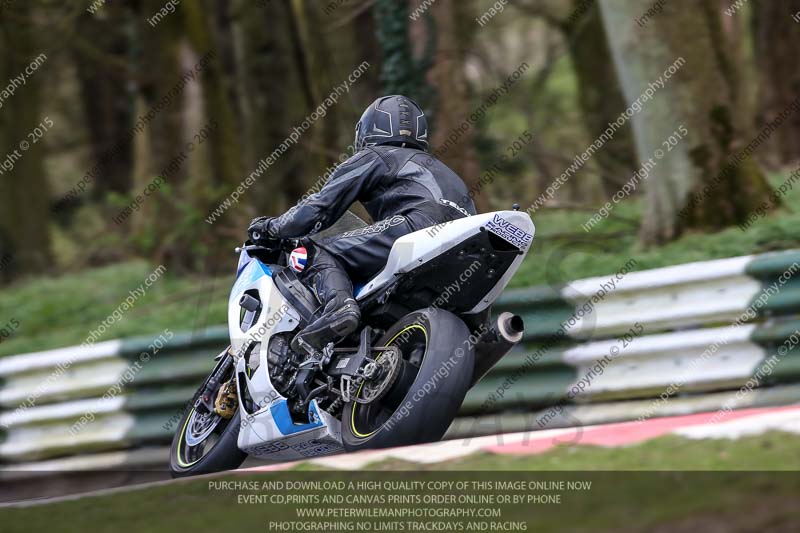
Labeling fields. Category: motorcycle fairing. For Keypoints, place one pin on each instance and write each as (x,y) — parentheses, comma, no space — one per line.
(271,434)
(415,249)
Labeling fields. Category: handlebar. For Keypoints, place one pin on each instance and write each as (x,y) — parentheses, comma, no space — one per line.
(281,245)
(253,248)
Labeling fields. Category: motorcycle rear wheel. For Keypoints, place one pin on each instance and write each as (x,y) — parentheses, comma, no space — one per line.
(438,362)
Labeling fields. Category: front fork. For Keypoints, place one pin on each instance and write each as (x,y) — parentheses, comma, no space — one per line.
(206,400)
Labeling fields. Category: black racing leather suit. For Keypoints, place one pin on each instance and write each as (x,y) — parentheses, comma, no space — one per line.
(404,189)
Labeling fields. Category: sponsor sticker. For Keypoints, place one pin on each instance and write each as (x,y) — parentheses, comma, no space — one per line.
(267,448)
(378,227)
(508,231)
(455,206)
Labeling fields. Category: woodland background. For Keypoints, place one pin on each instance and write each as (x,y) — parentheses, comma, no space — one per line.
(267,65)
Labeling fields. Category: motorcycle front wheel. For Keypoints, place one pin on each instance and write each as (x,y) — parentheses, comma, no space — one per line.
(206,442)
(435,374)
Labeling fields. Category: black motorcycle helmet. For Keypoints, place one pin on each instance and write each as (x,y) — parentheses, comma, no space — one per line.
(395,120)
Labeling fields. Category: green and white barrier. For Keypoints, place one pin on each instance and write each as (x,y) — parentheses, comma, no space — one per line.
(681,296)
(688,328)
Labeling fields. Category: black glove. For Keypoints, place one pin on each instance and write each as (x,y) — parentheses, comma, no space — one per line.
(258,231)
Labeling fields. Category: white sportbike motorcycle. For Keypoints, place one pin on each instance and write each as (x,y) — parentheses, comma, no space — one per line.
(426,337)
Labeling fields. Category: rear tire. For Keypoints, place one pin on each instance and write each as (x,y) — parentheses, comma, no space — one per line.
(423,411)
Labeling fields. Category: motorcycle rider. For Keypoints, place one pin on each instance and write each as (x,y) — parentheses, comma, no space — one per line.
(401,186)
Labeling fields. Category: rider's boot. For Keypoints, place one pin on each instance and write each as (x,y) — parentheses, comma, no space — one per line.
(336,323)
(340,313)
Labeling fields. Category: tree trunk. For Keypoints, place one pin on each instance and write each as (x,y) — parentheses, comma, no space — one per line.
(365,36)
(224,143)
(269,108)
(223,148)
(107,102)
(24,192)
(777,41)
(600,96)
(453,21)
(701,182)
(400,73)
(321,76)
(157,226)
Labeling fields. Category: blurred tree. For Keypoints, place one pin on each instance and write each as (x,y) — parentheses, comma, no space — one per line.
(24,193)
(365,36)
(452,105)
(401,73)
(182,57)
(101,48)
(701,182)
(777,41)
(157,225)
(269,109)
(322,77)
(225,141)
(599,93)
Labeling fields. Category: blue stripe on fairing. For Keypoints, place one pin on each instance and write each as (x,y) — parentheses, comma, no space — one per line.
(254,270)
(282,418)
(265,268)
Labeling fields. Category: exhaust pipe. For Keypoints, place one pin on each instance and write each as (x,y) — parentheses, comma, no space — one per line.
(502,337)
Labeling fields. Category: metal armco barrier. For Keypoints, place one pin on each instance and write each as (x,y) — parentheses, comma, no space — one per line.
(676,340)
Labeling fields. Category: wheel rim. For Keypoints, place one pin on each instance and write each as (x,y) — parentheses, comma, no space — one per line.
(367,419)
(200,426)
